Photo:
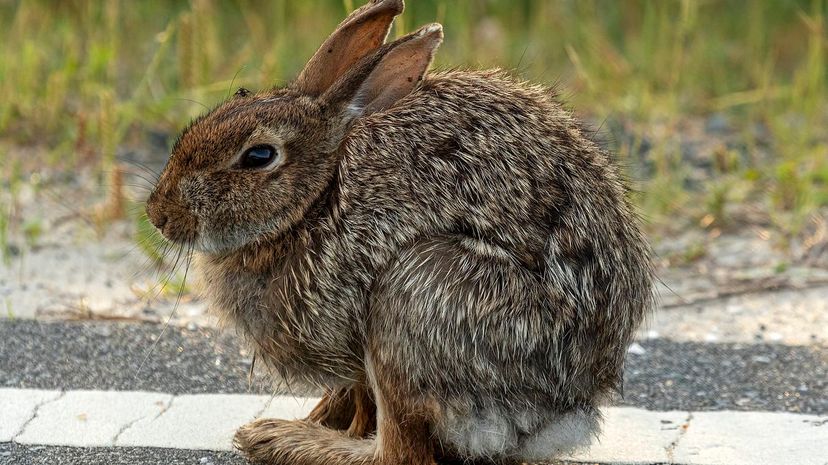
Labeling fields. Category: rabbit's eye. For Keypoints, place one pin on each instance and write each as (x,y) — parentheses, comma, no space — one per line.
(258,156)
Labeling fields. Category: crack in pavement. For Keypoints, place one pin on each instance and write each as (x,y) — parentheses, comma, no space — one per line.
(35,413)
(164,408)
(682,430)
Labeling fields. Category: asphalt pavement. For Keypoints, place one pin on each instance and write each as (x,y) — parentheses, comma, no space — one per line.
(661,375)
(17,454)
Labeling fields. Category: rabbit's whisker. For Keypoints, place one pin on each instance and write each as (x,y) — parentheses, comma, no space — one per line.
(159,286)
(153,292)
(172,313)
(141,167)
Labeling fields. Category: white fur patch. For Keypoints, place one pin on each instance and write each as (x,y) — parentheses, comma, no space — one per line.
(566,433)
(530,436)
(486,435)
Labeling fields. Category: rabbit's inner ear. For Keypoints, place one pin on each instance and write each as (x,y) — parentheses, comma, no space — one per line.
(360,34)
(398,72)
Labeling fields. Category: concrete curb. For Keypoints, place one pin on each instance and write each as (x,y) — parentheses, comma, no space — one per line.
(207,421)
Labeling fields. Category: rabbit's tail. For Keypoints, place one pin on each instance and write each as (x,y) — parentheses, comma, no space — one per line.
(529,435)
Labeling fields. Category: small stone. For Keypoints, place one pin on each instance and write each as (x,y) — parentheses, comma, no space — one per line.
(204,460)
(760,359)
(191,326)
(636,349)
(721,403)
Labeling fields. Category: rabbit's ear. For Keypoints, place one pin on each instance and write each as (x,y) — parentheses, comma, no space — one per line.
(360,34)
(395,70)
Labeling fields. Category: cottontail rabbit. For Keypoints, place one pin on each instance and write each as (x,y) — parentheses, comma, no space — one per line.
(451,248)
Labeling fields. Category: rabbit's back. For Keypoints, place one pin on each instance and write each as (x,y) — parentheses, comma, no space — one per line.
(481,155)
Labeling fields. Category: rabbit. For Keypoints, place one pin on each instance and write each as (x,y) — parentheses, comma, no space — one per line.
(450,255)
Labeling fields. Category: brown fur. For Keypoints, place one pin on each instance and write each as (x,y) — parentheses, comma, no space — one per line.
(350,408)
(451,248)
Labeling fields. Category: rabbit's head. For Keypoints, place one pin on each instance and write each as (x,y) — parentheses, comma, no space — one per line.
(254,165)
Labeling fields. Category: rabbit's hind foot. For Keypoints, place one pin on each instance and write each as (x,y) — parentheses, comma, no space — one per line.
(300,442)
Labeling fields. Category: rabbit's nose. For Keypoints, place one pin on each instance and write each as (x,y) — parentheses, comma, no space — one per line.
(158,220)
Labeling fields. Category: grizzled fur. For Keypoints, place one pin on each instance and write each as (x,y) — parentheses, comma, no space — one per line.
(468,255)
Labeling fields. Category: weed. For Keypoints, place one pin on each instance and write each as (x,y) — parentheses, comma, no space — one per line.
(83,77)
(32,230)
(5,214)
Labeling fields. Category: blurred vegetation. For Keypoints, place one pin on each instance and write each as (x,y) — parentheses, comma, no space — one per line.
(81,78)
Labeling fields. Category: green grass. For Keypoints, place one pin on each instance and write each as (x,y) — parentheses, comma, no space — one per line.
(79,78)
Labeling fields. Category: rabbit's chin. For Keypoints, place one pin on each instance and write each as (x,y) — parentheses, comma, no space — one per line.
(226,242)
(219,245)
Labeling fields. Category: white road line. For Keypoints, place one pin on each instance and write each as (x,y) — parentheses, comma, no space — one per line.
(207,421)
(90,418)
(632,435)
(18,407)
(203,421)
(754,437)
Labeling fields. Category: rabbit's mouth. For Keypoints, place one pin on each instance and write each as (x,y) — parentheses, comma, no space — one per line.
(181,232)
(175,224)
